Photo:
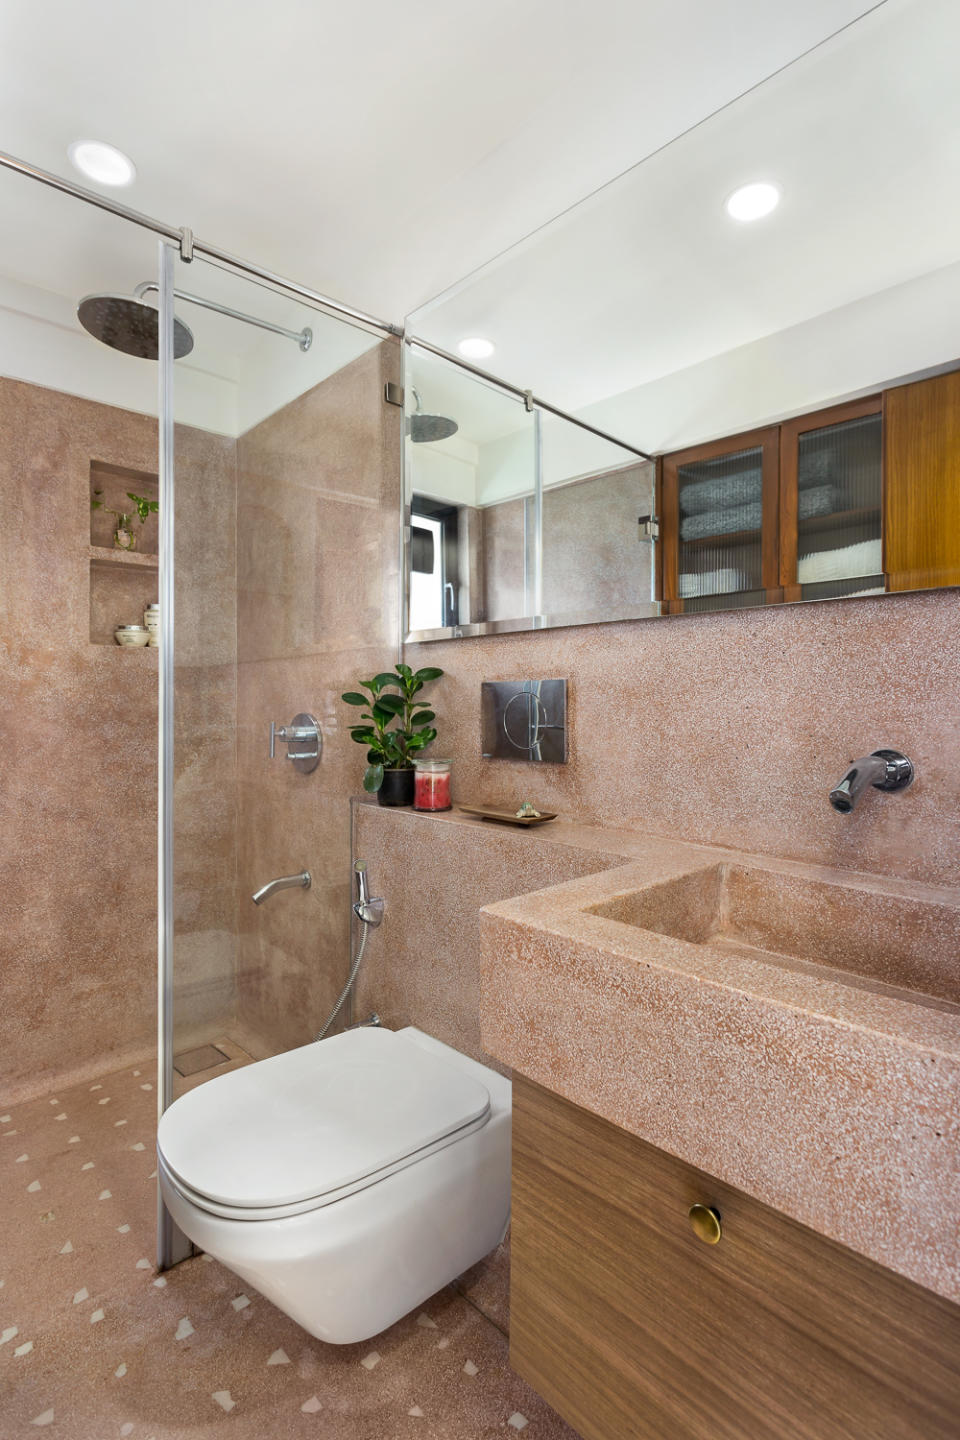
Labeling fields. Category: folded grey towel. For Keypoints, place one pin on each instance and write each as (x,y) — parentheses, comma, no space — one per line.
(721,522)
(814,470)
(819,500)
(700,496)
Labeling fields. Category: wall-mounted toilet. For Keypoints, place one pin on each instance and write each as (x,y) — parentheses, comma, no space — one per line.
(347,1180)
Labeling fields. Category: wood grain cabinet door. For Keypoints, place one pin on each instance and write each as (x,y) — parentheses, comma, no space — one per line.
(635,1329)
(922,483)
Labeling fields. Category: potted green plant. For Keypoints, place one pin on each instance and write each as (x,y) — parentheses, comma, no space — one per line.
(124,536)
(395,728)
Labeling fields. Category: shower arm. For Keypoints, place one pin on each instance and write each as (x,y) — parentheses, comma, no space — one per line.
(304,337)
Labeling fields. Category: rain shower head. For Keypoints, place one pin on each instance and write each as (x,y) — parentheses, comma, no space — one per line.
(424,428)
(127,323)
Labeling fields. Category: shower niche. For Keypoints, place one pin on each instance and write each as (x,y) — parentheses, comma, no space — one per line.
(122,582)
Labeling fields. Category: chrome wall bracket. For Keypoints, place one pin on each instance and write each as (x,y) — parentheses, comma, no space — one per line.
(304,741)
(524,720)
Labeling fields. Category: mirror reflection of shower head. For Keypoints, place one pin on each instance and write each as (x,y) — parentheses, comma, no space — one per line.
(129,324)
(423,428)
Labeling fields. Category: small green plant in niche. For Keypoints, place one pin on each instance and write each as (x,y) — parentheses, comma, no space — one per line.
(124,535)
(395,728)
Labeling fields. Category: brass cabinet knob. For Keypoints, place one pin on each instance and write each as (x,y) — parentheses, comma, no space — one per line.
(706,1224)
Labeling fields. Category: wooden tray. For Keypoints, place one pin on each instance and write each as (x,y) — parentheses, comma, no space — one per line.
(507,817)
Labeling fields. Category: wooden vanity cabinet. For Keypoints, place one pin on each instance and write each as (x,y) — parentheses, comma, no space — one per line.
(633,1328)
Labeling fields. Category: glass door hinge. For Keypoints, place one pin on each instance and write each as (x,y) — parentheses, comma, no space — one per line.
(649,527)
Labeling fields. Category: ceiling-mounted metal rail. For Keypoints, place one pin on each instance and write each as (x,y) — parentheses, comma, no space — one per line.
(189,246)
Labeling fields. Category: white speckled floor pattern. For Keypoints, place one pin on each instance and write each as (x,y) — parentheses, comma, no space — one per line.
(94,1345)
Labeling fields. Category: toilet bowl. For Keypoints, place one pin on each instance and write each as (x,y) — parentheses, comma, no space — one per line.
(346,1180)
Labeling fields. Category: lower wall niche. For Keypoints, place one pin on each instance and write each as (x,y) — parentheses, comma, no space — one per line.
(121,587)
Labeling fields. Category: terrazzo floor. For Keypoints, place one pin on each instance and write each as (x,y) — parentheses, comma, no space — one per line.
(95,1345)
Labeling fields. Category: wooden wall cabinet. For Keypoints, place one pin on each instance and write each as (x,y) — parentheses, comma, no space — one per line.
(634,1329)
(857,498)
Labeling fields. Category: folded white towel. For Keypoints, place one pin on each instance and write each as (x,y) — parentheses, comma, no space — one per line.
(864,558)
(725,581)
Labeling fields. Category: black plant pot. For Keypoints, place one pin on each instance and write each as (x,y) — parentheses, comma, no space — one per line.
(397,787)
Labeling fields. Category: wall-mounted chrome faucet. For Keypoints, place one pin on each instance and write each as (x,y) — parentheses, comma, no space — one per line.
(303,737)
(285,882)
(884,770)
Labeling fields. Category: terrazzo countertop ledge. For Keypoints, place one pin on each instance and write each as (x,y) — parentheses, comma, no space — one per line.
(791,1030)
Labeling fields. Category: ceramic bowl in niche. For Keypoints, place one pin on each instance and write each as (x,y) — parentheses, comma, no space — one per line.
(132,636)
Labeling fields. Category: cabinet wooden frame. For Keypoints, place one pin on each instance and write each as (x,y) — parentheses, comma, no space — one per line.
(790,433)
(767,441)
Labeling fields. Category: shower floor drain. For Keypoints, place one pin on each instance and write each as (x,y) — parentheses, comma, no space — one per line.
(205,1057)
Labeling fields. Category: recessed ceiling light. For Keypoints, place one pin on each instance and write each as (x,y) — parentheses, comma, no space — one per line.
(102,162)
(752,202)
(476,348)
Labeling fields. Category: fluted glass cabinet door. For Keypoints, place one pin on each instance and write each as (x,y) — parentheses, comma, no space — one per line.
(831,472)
(720,509)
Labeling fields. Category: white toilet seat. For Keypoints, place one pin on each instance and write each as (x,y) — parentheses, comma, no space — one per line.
(313,1202)
(314,1125)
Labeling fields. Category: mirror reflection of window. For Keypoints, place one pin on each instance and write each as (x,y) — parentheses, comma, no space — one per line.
(435,566)
(426,574)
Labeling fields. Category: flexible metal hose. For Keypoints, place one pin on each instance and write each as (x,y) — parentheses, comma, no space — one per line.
(354,970)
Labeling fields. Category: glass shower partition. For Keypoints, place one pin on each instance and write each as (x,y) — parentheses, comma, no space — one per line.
(78,435)
(279,589)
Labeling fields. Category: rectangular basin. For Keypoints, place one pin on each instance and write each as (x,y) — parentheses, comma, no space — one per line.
(910,943)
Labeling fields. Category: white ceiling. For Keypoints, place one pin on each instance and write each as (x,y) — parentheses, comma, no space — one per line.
(375,152)
(650,277)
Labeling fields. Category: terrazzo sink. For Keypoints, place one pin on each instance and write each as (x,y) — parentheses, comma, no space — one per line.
(900,940)
(790,1029)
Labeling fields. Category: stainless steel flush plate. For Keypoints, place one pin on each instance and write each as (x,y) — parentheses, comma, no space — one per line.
(524,720)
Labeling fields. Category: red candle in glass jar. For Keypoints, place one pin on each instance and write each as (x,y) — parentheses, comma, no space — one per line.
(431,787)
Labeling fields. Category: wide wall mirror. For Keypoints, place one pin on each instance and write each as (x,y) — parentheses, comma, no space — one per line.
(515,518)
(768,308)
